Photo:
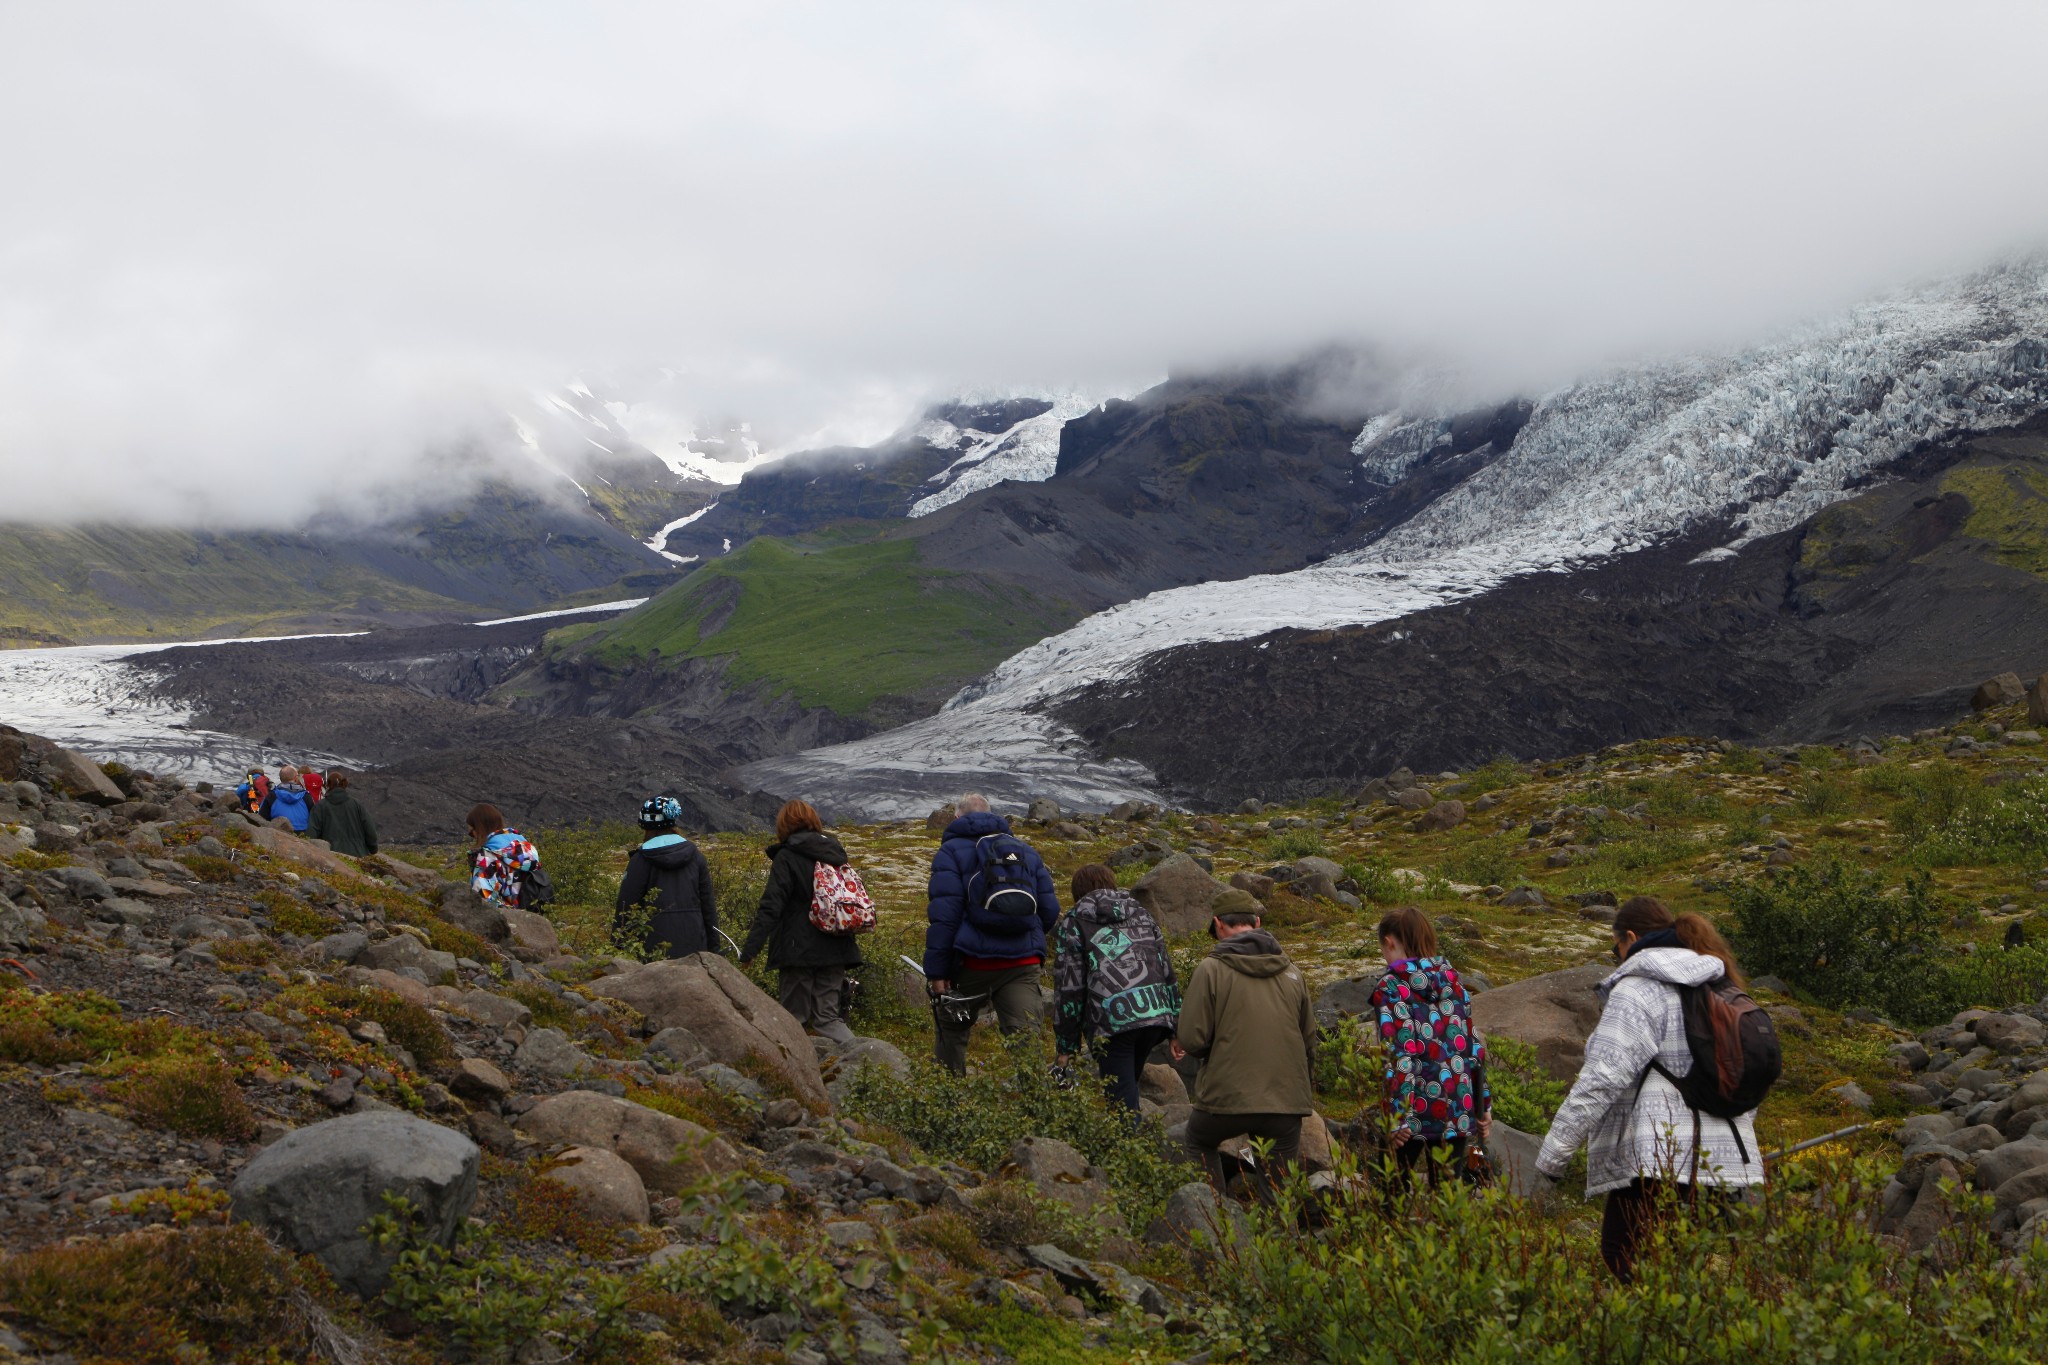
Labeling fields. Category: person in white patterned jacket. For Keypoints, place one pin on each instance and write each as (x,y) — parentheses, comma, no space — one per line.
(1646,1150)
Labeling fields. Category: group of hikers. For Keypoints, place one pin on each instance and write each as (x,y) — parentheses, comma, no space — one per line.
(1664,1104)
(315,804)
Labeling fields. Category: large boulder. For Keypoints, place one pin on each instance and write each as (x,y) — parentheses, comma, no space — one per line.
(78,776)
(464,909)
(315,1188)
(403,872)
(405,955)
(608,1187)
(1554,1013)
(1442,816)
(282,843)
(1998,691)
(535,933)
(1513,1154)
(1339,998)
(668,1152)
(1197,1219)
(1179,893)
(729,1014)
(2001,1164)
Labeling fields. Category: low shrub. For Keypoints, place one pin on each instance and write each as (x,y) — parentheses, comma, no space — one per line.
(1483,862)
(195,1097)
(1296,843)
(214,871)
(410,1026)
(545,1209)
(977,1118)
(1837,932)
(163,1297)
(1524,1094)
(744,1272)
(549,1010)
(1374,877)
(1498,774)
(1456,1275)
(1990,825)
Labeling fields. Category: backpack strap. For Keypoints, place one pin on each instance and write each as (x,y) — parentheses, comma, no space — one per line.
(1733,1127)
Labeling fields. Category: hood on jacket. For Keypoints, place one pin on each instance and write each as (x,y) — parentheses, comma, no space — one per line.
(1254,953)
(822,848)
(1110,905)
(976,824)
(670,856)
(1673,966)
(1427,979)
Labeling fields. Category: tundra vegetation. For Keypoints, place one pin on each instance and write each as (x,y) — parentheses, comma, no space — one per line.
(156,1038)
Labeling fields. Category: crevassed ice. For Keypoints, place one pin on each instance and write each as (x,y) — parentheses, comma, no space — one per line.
(1026,453)
(1764,437)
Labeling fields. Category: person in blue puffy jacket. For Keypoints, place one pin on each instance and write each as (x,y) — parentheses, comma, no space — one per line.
(974,957)
(288,799)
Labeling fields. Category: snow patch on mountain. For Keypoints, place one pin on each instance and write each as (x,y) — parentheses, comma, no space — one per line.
(1764,438)
(1025,453)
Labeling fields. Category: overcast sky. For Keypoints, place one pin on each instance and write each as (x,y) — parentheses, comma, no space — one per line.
(256,255)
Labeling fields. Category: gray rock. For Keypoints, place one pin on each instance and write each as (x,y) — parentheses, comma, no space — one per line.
(1853,1095)
(727,1081)
(668,1152)
(1926,1127)
(407,956)
(850,1059)
(678,1049)
(1981,1137)
(498,1011)
(1352,997)
(1553,1013)
(201,928)
(2011,1033)
(464,909)
(609,1189)
(315,1188)
(1104,1281)
(1513,1154)
(20,925)
(345,946)
(1195,1218)
(1059,1172)
(1045,810)
(1178,893)
(81,884)
(549,1052)
(1933,1208)
(729,1014)
(1912,1056)
(2001,1164)
(2019,1189)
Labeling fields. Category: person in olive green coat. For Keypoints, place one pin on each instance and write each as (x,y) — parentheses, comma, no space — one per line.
(341,820)
(1248,1017)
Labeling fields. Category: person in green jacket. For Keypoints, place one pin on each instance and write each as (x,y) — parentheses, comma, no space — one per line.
(1248,1018)
(341,820)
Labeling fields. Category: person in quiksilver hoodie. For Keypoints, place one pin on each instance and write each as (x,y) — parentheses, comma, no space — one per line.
(1113,982)
(666,894)
(1646,1149)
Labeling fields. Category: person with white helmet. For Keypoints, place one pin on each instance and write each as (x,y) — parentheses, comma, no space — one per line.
(665,898)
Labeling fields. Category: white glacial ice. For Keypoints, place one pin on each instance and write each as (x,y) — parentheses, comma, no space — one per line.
(1762,439)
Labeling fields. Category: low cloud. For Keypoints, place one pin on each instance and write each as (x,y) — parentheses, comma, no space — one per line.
(257,260)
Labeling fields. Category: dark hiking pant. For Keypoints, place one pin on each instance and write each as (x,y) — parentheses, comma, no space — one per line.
(1013,992)
(814,995)
(1440,1162)
(1121,1059)
(1207,1131)
(1634,1211)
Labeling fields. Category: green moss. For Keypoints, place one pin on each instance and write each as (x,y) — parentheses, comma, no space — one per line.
(837,627)
(2009,508)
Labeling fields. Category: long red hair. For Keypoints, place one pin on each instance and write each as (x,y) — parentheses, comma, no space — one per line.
(1646,915)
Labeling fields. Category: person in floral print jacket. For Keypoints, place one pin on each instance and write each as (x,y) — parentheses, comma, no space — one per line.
(1437,1097)
(501,855)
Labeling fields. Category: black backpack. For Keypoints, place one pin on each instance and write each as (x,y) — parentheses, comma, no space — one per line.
(1735,1055)
(1005,888)
(536,888)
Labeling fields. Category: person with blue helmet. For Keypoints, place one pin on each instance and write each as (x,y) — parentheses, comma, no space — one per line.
(665,897)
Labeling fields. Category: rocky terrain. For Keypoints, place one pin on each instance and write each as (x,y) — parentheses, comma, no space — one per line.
(221,1043)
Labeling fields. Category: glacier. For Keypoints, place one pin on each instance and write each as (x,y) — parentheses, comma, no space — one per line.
(1024,453)
(1760,439)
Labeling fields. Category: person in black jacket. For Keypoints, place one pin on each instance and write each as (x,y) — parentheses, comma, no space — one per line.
(666,893)
(341,820)
(813,964)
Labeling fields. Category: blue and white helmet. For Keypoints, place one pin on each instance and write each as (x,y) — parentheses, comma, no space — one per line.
(660,812)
